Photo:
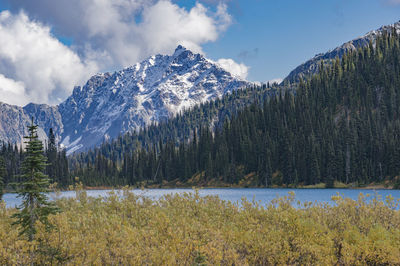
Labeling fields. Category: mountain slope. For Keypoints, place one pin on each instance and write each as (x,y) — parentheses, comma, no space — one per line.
(311,66)
(148,92)
(110,104)
(14,121)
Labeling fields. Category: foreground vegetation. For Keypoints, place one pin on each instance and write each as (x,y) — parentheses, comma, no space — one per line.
(194,230)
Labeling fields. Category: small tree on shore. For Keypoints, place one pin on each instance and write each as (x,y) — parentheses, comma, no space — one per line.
(35,205)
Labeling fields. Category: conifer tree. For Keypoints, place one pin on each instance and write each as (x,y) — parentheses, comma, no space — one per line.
(2,174)
(51,154)
(35,205)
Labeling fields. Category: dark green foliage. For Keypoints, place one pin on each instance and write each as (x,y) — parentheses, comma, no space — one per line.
(51,153)
(13,157)
(2,174)
(35,205)
(341,125)
(57,167)
(95,167)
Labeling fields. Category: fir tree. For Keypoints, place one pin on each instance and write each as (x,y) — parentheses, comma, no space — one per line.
(51,153)
(35,205)
(2,174)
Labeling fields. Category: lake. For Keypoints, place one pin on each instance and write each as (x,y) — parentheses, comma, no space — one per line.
(263,195)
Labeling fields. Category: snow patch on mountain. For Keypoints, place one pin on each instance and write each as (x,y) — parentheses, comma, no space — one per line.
(147,92)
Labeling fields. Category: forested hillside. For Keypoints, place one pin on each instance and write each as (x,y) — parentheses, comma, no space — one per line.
(342,125)
(210,114)
(107,159)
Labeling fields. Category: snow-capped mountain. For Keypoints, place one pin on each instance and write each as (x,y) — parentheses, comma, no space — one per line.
(311,66)
(112,103)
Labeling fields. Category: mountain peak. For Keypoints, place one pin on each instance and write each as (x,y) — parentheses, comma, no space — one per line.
(180,48)
(148,92)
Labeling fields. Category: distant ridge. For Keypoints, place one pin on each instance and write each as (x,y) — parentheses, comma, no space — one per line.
(311,66)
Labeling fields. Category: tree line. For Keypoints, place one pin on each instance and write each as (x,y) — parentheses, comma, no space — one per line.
(12,157)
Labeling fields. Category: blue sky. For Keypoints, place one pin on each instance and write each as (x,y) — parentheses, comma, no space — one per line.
(279,35)
(266,39)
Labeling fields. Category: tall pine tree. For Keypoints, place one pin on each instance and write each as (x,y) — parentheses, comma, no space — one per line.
(35,205)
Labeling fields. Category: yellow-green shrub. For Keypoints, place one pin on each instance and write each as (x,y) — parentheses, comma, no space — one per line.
(189,229)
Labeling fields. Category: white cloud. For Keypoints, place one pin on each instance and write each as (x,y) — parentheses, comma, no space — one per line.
(12,92)
(240,70)
(124,32)
(34,64)
(165,25)
(107,35)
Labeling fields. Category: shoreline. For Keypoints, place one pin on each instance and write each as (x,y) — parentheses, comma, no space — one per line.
(310,187)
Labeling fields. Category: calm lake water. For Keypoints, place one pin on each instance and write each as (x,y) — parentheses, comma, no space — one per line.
(263,195)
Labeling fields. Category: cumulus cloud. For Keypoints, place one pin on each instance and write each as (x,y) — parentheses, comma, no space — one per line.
(106,35)
(240,70)
(166,25)
(34,64)
(119,33)
(12,92)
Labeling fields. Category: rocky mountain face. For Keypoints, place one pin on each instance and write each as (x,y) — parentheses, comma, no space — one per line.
(14,121)
(311,66)
(112,103)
